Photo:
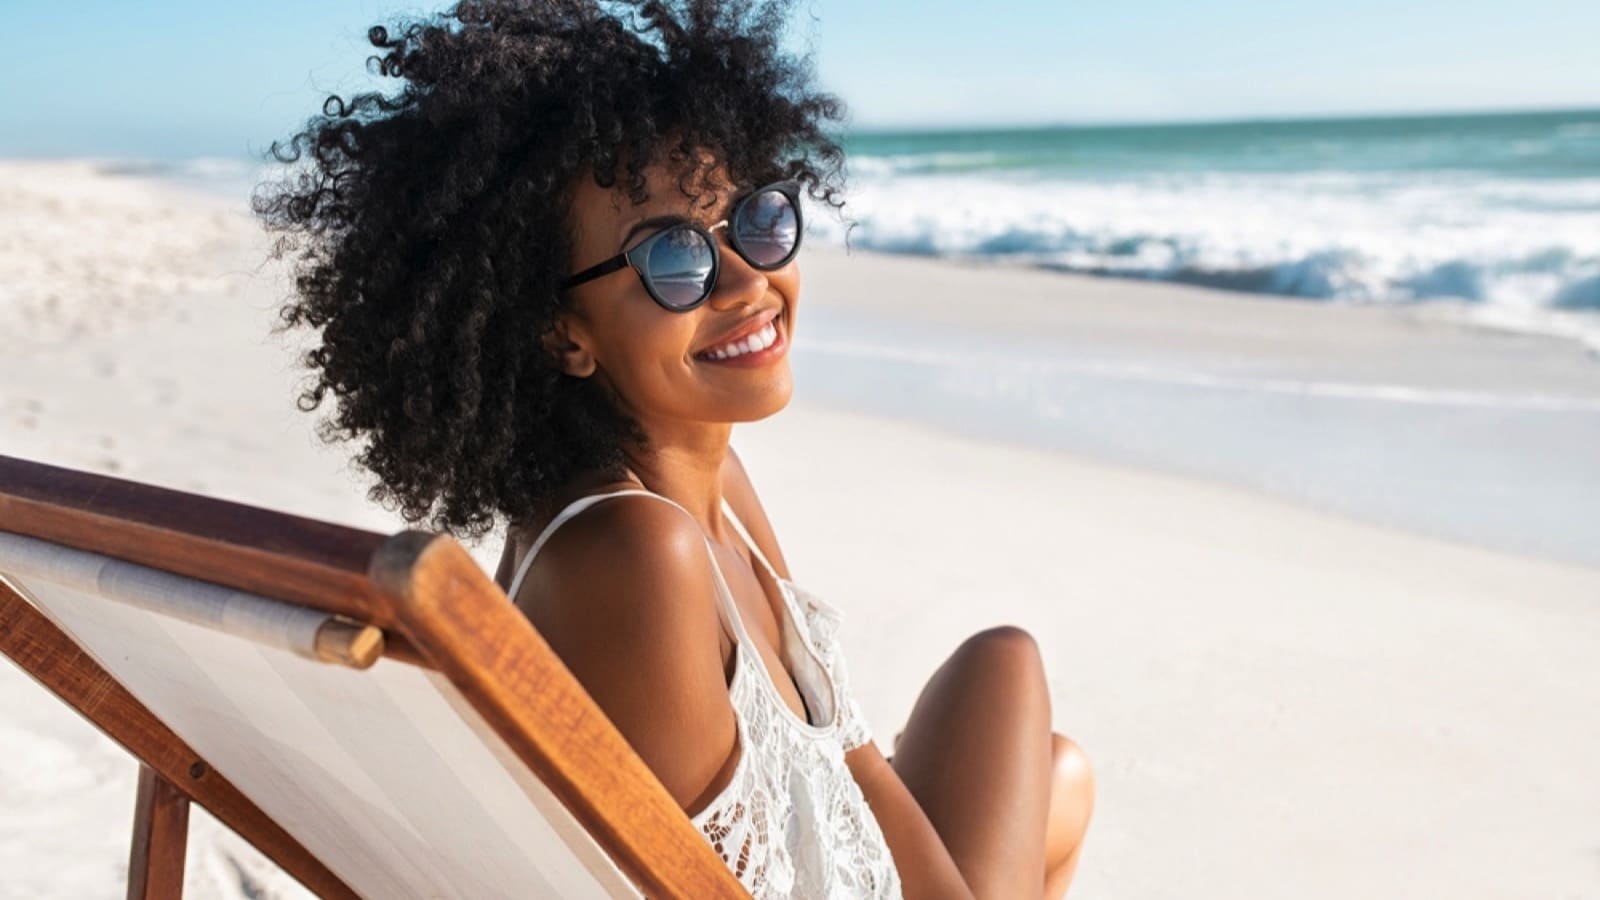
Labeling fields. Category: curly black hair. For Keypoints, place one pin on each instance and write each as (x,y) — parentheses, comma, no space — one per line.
(432,229)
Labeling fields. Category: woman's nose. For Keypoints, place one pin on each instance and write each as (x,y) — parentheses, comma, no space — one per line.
(738,282)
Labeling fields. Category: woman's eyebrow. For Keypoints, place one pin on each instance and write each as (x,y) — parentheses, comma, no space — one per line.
(669,219)
(673,219)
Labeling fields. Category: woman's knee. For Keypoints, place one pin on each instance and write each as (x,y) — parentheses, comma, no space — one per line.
(996,672)
(1003,648)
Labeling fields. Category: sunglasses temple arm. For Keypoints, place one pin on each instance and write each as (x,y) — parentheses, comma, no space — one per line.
(596,270)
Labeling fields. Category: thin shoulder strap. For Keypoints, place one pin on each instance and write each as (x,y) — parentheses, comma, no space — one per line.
(744,533)
(567,512)
(724,594)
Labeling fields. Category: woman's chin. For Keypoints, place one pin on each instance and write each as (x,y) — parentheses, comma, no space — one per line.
(770,399)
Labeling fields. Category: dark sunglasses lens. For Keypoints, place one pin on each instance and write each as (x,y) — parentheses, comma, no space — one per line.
(680,266)
(768,227)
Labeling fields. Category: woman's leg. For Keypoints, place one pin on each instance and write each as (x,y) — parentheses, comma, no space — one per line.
(1071,805)
(1072,793)
(976,753)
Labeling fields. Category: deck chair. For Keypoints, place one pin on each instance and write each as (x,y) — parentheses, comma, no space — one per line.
(368,710)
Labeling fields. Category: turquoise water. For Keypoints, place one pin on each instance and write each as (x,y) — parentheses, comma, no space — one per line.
(1554,145)
(1497,213)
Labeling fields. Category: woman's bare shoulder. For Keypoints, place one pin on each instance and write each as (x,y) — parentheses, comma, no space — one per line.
(625,542)
(521,534)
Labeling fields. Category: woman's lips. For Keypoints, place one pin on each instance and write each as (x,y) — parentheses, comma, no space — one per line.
(765,356)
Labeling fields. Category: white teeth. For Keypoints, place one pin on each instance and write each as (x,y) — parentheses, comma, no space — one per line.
(761,340)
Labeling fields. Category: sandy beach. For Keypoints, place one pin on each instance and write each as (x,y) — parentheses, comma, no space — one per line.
(1380,681)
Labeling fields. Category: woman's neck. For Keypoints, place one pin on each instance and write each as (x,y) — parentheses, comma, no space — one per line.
(688,468)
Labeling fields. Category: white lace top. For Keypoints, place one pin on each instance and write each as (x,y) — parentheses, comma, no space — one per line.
(792,821)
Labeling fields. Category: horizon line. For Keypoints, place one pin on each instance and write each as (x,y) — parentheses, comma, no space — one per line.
(1046,125)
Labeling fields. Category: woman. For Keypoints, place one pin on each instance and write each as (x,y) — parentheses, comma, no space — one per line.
(549,274)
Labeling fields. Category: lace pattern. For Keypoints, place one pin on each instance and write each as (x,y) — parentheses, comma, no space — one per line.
(792,822)
(822,624)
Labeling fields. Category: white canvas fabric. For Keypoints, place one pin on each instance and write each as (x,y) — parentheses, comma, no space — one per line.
(261,619)
(386,774)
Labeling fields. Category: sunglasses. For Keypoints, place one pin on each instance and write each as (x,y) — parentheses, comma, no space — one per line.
(679,264)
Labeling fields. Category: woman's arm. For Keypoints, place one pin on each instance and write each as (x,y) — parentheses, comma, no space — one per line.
(925,866)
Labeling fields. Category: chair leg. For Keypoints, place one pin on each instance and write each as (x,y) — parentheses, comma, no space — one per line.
(160,839)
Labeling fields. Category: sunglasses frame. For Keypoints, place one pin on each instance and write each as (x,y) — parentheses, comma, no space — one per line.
(637,256)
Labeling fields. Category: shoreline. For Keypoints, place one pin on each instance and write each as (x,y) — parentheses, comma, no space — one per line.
(1574,327)
(1390,417)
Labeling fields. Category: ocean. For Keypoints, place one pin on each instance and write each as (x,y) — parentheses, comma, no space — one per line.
(1497,214)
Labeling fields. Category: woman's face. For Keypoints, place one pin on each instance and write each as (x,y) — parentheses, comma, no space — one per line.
(655,358)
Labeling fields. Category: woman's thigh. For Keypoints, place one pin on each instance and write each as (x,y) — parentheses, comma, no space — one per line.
(976,753)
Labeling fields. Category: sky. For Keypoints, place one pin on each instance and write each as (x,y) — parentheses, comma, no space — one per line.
(185,78)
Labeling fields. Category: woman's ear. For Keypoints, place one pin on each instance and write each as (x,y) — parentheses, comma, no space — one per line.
(573,357)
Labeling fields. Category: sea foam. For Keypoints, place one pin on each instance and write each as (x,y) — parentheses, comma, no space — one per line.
(1500,223)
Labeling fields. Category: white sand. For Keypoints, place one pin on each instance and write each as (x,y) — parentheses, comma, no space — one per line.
(1280,703)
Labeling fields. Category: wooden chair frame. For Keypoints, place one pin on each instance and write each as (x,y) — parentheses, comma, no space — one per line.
(437,608)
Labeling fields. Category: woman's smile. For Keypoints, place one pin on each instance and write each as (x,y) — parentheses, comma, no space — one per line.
(766,345)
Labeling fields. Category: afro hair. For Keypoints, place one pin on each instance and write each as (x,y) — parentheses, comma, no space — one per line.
(430,226)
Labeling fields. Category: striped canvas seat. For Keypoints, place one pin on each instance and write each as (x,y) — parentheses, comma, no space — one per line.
(369,710)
